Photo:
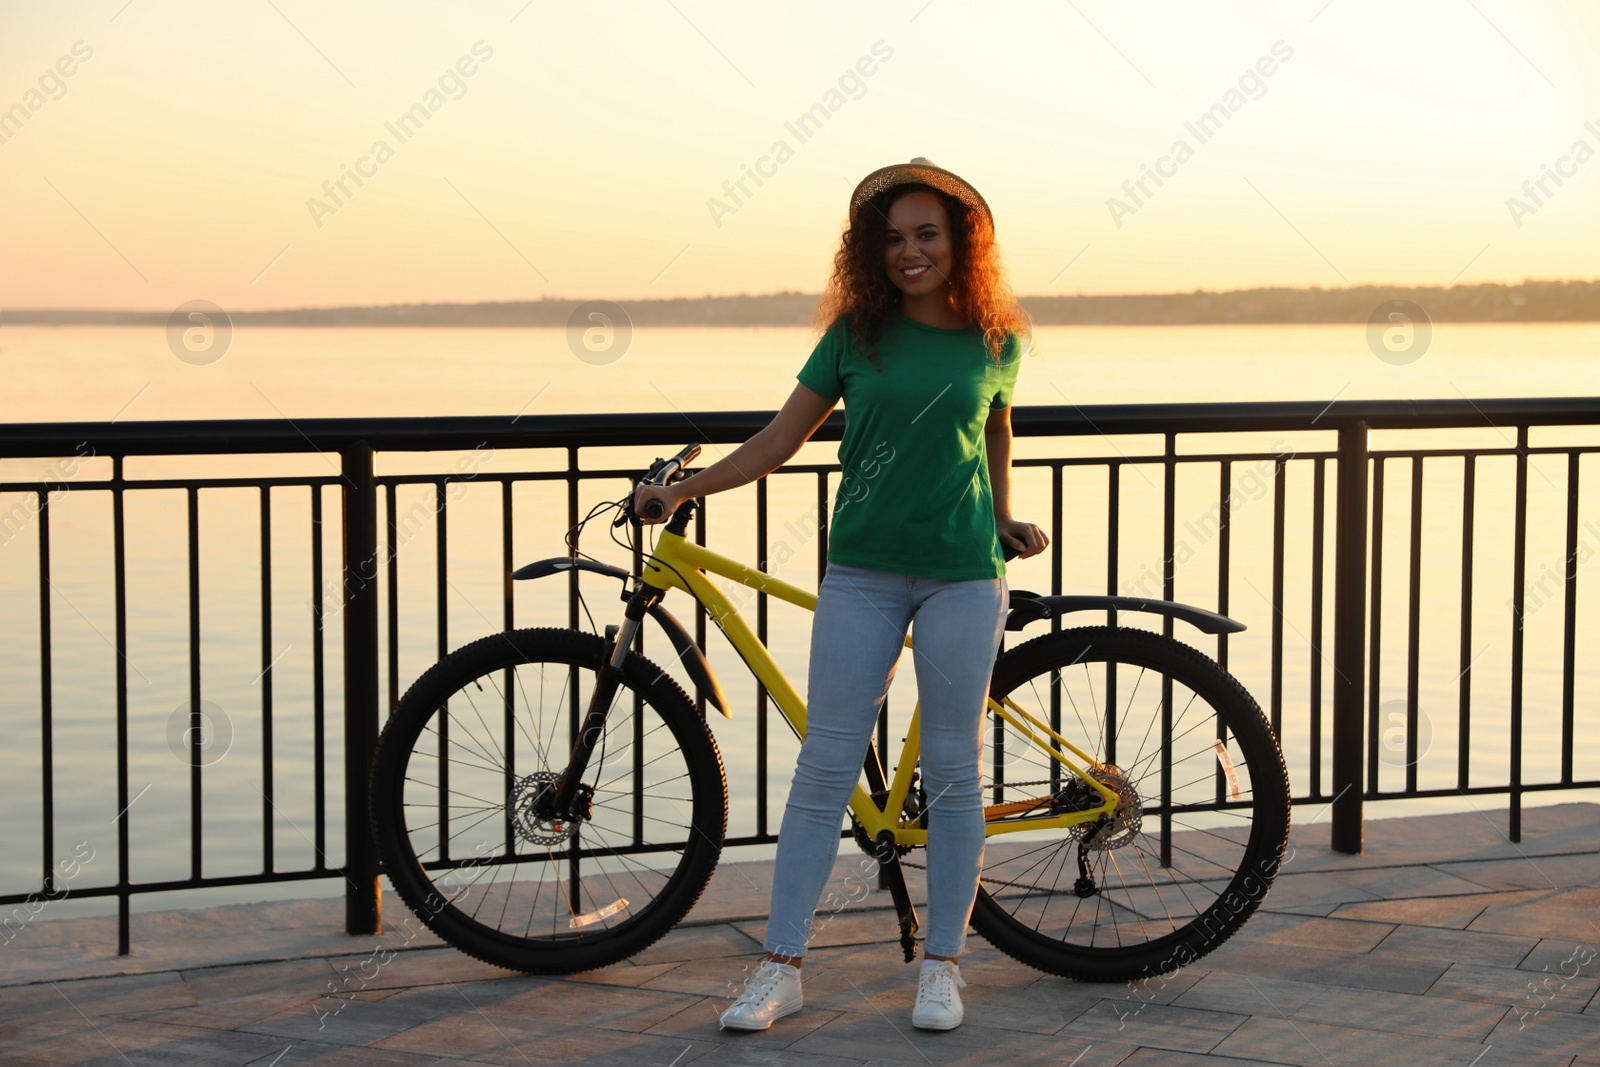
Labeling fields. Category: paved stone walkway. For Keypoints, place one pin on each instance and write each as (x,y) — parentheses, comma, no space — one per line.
(1443,944)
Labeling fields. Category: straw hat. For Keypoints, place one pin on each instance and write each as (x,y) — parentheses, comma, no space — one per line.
(921,170)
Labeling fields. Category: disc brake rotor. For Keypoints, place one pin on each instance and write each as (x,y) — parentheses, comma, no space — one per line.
(1126,819)
(530,826)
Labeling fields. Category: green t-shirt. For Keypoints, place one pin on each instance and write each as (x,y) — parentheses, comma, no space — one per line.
(914,495)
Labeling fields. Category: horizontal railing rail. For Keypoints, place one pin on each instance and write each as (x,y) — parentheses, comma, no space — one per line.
(361,588)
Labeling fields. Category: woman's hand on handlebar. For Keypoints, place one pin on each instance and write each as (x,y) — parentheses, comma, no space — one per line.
(668,496)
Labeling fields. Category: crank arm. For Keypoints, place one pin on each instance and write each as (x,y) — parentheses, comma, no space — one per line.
(889,865)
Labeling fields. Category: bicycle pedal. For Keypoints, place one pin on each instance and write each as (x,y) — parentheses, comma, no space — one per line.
(908,937)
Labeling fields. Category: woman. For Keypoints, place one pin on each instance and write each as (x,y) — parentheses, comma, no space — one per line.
(922,342)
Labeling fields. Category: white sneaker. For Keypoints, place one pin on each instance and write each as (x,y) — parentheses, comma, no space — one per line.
(938,1003)
(772,993)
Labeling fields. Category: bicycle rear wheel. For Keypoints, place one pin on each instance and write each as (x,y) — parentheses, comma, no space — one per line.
(457,770)
(1196,841)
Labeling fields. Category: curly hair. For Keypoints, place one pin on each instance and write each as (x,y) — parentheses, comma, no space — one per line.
(860,289)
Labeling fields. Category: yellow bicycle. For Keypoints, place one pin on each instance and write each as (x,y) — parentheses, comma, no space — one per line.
(549,800)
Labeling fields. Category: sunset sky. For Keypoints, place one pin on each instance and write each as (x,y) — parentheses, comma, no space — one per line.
(196,150)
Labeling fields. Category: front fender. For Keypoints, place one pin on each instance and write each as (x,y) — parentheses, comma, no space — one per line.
(684,648)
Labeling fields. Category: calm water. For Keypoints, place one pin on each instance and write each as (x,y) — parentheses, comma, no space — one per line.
(100,374)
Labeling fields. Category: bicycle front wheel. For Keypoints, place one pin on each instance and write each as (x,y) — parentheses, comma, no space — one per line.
(1194,843)
(458,770)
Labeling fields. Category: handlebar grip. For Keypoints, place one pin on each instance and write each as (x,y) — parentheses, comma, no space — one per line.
(653,509)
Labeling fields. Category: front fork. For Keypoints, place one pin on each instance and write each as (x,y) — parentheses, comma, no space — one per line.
(562,800)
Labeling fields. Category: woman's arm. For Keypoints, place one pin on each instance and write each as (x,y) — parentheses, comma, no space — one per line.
(997,447)
(765,452)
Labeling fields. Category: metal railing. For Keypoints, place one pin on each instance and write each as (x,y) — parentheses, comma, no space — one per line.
(1358,565)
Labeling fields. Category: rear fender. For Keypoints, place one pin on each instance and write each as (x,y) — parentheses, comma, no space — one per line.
(1028,607)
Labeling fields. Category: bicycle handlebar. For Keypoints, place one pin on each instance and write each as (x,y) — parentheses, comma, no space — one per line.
(661,472)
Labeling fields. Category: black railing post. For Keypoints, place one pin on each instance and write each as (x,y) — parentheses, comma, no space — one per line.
(1349,624)
(362,910)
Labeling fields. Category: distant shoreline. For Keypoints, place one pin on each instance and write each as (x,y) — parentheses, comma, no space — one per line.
(1530,301)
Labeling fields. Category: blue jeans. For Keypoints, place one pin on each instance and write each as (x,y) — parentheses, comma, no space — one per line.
(856,640)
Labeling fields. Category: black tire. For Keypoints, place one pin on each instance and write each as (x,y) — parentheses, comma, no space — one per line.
(508,889)
(1178,871)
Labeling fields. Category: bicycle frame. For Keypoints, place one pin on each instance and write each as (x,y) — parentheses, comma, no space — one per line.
(677,563)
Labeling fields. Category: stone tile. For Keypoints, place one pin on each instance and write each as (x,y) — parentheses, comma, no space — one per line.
(358,1021)
(1431,1015)
(1401,882)
(1250,994)
(698,1024)
(755,1055)
(1566,957)
(1308,931)
(1247,955)
(1321,1045)
(717,976)
(1542,872)
(1311,893)
(626,973)
(289,978)
(1568,914)
(698,943)
(1158,989)
(363,1017)
(1550,1032)
(1446,946)
(1464,836)
(557,1004)
(1502,1056)
(1154,1026)
(245,1011)
(895,1040)
(1456,912)
(193,937)
(226,998)
(1525,1010)
(384,969)
(509,1042)
(1495,985)
(95,997)
(1312,966)
(115,1041)
(1393,974)
(359,1057)
(468,1033)
(1481,834)
(1156,1057)
(1065,1054)
(208,1048)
